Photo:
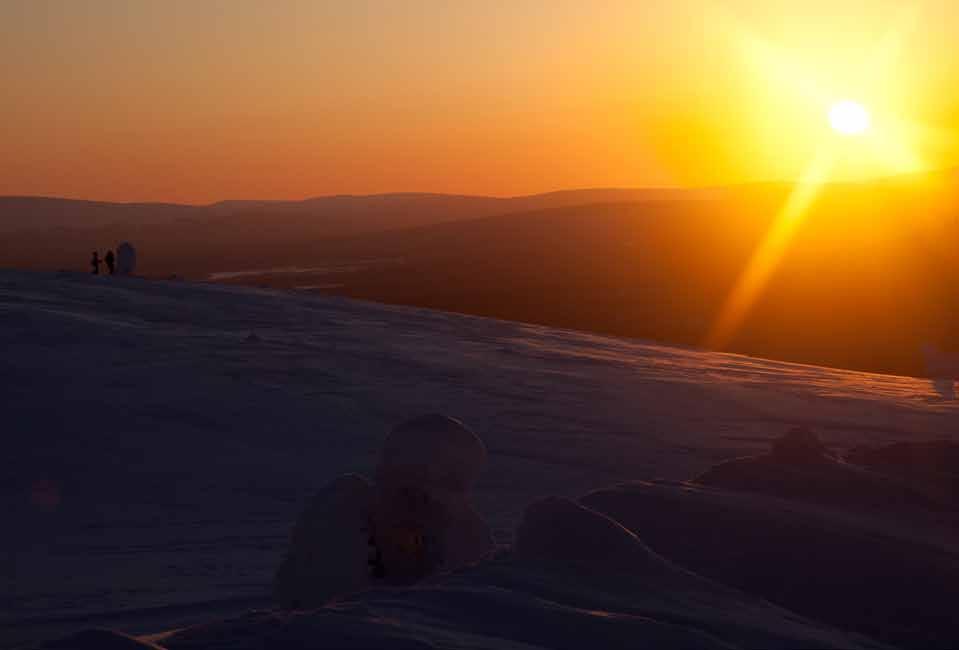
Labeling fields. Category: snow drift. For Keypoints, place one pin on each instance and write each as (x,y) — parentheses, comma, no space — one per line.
(576,580)
(828,540)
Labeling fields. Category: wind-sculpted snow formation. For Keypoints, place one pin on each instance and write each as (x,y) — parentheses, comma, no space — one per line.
(832,541)
(417,520)
(798,466)
(329,548)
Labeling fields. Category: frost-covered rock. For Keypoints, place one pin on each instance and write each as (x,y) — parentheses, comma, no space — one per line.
(330,548)
(126,259)
(423,519)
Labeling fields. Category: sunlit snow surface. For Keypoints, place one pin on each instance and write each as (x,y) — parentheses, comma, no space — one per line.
(155,454)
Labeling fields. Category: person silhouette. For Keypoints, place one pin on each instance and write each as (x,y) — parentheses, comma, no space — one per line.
(108,258)
(95,263)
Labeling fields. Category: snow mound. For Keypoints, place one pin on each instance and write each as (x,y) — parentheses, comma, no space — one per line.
(894,582)
(560,532)
(330,546)
(417,520)
(931,466)
(909,457)
(799,445)
(434,451)
(799,467)
(424,519)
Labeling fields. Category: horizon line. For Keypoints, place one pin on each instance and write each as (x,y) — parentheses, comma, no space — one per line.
(504,197)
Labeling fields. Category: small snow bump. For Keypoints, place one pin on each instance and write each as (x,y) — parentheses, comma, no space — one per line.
(799,444)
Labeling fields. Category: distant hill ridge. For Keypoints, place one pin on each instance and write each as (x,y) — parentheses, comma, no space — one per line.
(356,214)
(346,214)
(868,278)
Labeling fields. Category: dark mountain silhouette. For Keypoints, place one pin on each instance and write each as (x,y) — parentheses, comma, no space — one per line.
(328,216)
(870,277)
(35,213)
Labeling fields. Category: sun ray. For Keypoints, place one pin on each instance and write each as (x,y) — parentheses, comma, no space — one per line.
(760,268)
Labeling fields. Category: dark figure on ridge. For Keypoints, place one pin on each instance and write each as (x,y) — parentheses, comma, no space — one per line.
(108,258)
(95,263)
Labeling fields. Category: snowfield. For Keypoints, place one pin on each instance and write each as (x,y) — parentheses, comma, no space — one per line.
(160,439)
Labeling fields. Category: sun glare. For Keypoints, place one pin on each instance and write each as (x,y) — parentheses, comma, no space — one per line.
(849,118)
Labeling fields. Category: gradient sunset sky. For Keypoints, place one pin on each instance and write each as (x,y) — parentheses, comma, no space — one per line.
(201,100)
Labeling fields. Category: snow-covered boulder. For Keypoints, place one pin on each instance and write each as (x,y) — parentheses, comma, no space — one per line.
(330,548)
(126,259)
(423,519)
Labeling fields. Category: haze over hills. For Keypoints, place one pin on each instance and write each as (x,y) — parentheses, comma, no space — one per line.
(351,214)
(34,213)
(328,215)
(853,289)
(868,280)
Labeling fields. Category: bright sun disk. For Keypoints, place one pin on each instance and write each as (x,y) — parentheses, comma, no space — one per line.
(849,118)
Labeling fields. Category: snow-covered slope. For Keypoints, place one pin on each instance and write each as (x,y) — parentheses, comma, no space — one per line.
(160,438)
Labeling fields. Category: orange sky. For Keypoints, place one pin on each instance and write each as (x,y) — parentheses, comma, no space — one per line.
(201,100)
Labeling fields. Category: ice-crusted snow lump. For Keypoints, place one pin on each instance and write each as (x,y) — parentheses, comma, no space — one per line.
(423,517)
(418,518)
(435,451)
(329,550)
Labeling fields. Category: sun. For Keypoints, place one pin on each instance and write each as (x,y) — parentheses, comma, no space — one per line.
(849,118)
